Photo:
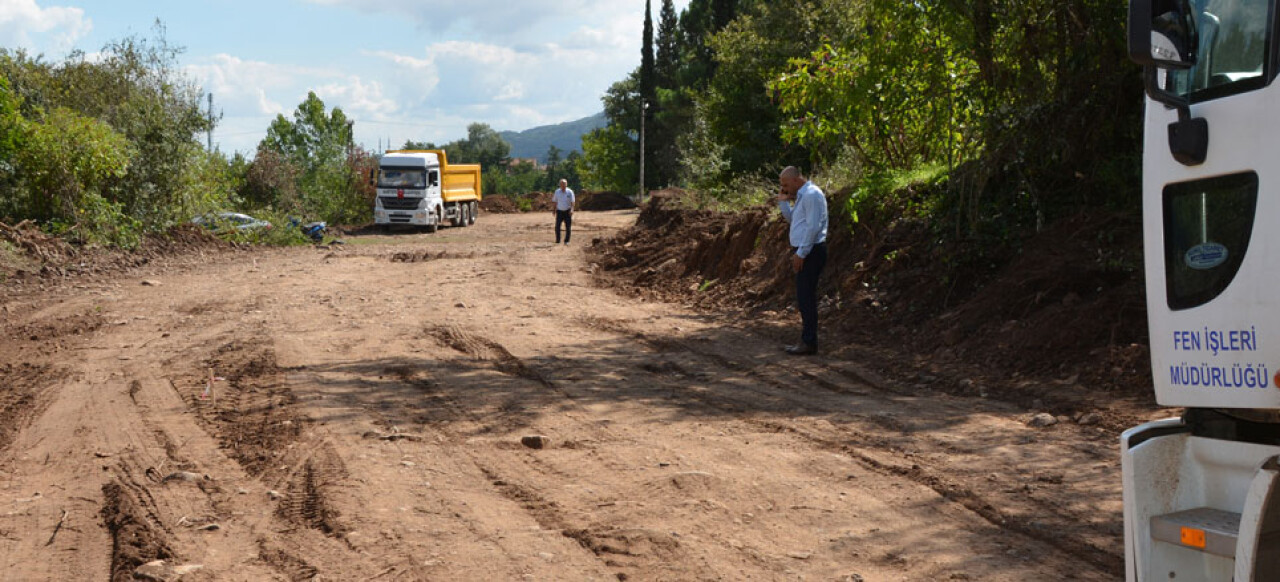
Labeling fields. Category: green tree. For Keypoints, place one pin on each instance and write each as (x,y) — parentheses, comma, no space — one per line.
(667,54)
(271,182)
(67,159)
(608,160)
(648,89)
(486,145)
(722,13)
(552,180)
(901,95)
(11,129)
(137,86)
(330,182)
(569,170)
(313,139)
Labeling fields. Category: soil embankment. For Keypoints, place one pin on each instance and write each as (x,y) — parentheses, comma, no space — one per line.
(1060,327)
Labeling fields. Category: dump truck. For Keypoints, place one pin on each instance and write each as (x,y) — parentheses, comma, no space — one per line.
(1202,490)
(421,188)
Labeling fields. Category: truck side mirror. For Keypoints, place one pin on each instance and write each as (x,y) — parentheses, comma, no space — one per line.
(1163,36)
(1162,33)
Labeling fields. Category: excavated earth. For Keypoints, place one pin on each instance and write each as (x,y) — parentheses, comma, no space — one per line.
(482,404)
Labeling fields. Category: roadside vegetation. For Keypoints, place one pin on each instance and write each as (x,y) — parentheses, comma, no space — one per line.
(105,150)
(1001,116)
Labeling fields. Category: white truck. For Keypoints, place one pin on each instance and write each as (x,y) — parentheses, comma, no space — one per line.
(1202,492)
(421,188)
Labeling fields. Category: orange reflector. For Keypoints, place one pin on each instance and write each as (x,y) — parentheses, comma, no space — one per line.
(1193,537)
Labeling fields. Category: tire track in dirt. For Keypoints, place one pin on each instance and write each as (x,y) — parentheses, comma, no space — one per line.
(26,377)
(137,534)
(482,348)
(306,502)
(604,544)
(912,468)
(631,548)
(255,418)
(23,396)
(291,566)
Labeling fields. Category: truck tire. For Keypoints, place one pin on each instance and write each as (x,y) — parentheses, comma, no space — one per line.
(435,225)
(473,209)
(457,216)
(465,209)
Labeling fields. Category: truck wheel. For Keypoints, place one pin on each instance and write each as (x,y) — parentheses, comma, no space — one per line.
(435,225)
(465,210)
(473,208)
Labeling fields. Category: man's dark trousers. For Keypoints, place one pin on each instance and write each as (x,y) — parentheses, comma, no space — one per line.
(807,293)
(566,217)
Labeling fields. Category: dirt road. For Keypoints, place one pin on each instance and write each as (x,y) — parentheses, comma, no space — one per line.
(367,418)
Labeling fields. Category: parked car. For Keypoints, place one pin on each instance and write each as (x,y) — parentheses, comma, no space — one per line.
(230,221)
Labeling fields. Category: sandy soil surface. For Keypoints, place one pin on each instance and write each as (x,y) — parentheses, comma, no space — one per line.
(473,405)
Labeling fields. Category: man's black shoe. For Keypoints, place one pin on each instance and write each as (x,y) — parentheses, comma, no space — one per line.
(801,349)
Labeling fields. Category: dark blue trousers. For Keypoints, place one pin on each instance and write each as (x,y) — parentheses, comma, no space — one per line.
(807,292)
(565,217)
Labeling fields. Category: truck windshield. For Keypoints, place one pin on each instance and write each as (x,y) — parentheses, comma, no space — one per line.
(1232,53)
(402,178)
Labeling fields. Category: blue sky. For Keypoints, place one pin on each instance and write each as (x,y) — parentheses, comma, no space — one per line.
(403,69)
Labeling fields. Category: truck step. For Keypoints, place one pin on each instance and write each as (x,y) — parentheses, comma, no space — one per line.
(1212,531)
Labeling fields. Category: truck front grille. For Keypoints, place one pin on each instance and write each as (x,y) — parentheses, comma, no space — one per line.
(390,203)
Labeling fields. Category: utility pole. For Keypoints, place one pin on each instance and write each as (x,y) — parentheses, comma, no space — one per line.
(644,110)
(210,132)
(351,137)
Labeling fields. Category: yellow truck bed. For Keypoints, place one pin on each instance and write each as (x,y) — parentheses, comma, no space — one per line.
(459,182)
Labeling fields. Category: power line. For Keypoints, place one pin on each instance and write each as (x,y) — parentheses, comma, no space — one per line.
(400,123)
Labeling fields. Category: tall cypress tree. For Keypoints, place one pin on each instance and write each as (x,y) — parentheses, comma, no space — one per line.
(667,58)
(722,13)
(648,90)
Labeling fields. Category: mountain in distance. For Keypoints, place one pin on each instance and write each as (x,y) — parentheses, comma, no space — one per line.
(534,142)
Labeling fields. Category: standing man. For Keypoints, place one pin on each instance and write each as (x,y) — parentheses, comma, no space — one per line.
(805,207)
(564,201)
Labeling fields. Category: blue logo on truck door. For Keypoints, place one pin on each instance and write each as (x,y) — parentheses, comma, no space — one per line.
(1205,256)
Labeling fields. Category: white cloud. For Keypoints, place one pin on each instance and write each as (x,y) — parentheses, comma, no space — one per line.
(512,90)
(24,24)
(246,86)
(484,17)
(421,77)
(357,98)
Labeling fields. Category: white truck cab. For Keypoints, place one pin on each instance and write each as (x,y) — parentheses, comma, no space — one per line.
(1201,493)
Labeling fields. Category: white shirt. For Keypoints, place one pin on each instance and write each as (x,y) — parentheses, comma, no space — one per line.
(564,199)
(808,218)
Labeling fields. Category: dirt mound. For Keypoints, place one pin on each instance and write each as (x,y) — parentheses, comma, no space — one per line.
(1067,310)
(540,202)
(601,201)
(29,257)
(498,204)
(675,249)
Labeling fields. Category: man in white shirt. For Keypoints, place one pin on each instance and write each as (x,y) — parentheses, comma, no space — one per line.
(564,201)
(805,206)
